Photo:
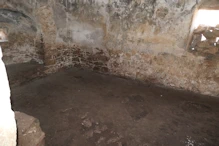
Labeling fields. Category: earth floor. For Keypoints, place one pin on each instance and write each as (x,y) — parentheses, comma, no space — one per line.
(83,108)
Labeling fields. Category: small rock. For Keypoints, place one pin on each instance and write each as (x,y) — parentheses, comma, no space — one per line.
(84,116)
(217,26)
(209,35)
(212,41)
(119,143)
(204,44)
(200,29)
(87,123)
(97,130)
(113,140)
(216,32)
(104,128)
(199,49)
(101,139)
(89,134)
(212,50)
(196,39)
(217,44)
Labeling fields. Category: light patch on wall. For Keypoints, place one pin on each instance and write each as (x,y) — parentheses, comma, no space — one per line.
(3,36)
(207,18)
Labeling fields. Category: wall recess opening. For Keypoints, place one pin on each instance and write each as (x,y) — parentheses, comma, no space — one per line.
(205,30)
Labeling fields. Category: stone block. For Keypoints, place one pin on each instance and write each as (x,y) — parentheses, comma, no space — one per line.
(200,29)
(216,32)
(29,131)
(212,41)
(196,40)
(204,44)
(212,50)
(209,35)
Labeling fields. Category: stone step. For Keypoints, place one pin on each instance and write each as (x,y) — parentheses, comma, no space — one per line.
(29,131)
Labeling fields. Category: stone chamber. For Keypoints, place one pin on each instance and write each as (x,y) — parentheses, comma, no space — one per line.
(113,72)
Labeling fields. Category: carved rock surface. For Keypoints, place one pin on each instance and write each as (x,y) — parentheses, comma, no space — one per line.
(29,131)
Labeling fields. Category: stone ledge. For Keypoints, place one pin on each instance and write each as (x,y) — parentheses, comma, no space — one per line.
(29,131)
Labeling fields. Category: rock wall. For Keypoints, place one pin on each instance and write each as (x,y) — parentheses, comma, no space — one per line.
(140,39)
(22,34)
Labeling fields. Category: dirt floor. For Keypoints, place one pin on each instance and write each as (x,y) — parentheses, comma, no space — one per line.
(82,108)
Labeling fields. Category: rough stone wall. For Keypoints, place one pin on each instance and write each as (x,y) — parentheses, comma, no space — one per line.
(22,34)
(140,39)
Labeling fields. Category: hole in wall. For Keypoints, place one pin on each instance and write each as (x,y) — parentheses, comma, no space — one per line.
(206,18)
(205,32)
